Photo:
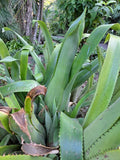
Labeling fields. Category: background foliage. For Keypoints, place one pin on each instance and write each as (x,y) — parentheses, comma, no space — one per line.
(98,12)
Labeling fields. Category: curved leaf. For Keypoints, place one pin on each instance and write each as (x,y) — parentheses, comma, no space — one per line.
(8,59)
(39,90)
(91,43)
(20,86)
(47,35)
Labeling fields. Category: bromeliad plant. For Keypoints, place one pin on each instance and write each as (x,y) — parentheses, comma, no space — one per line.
(47,127)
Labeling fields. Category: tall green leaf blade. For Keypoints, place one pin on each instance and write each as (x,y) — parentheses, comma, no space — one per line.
(106,82)
(66,56)
(71,138)
(20,86)
(47,36)
(15,71)
(52,64)
(24,64)
(91,43)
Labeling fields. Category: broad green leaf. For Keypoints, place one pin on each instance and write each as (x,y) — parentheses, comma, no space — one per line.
(101,124)
(15,71)
(66,56)
(9,149)
(12,102)
(107,141)
(20,86)
(107,80)
(92,42)
(4,115)
(71,138)
(24,64)
(8,59)
(109,155)
(47,35)
(25,157)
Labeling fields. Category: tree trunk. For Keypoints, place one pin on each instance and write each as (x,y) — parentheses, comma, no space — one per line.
(36,24)
(20,15)
(28,17)
(41,15)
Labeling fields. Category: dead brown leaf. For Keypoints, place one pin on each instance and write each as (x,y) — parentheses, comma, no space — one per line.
(39,90)
(20,119)
(38,149)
